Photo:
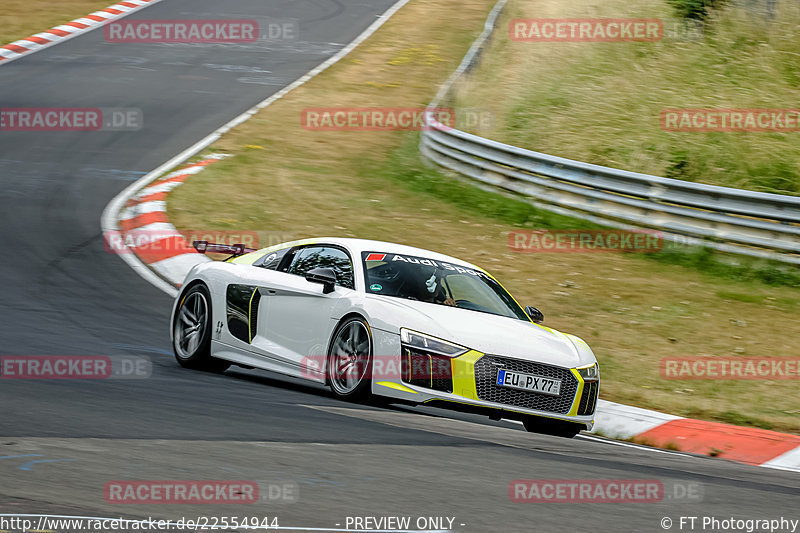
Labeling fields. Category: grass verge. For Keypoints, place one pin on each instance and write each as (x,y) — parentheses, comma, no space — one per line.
(601,102)
(23,18)
(632,311)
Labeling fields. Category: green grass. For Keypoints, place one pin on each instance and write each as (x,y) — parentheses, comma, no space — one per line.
(738,419)
(739,268)
(600,102)
(740,297)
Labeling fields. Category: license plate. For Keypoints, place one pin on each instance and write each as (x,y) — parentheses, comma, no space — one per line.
(529,382)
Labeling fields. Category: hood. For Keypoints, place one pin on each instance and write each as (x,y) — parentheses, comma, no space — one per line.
(487,333)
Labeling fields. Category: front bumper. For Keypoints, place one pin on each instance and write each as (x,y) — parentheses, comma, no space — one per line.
(470,386)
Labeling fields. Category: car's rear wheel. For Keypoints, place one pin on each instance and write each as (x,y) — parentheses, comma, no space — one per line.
(191,332)
(349,365)
(550,426)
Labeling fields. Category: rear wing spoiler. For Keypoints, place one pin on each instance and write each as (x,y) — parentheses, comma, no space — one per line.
(234,250)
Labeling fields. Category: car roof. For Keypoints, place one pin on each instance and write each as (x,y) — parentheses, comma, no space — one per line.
(356,246)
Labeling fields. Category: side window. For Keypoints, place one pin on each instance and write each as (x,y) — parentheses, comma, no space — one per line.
(272,260)
(324,257)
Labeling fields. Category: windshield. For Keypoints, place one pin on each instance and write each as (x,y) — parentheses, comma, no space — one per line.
(437,282)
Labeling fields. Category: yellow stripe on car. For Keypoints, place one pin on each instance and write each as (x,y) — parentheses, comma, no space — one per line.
(395,386)
(248,259)
(463,368)
(578,394)
(250,317)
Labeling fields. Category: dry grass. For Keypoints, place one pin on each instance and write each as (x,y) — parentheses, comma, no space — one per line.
(23,18)
(600,102)
(633,312)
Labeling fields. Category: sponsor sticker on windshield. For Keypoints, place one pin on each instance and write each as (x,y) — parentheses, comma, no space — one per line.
(412,260)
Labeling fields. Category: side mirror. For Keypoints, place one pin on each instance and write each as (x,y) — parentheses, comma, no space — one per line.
(326,276)
(535,314)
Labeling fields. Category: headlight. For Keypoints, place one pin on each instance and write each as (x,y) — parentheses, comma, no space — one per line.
(589,372)
(430,344)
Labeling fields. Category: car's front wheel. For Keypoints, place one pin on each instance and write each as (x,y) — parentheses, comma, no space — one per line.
(349,365)
(191,332)
(550,426)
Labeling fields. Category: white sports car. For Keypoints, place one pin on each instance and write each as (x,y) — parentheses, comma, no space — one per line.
(374,318)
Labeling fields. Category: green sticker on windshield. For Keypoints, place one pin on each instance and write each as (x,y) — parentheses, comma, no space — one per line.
(375,287)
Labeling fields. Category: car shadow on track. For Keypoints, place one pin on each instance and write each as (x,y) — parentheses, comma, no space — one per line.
(326,397)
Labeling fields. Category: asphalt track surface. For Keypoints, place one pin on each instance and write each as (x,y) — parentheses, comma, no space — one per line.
(63,294)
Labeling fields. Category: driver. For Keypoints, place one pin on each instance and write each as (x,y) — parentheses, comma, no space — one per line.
(435,293)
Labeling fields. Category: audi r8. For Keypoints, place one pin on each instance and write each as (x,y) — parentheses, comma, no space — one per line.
(369,318)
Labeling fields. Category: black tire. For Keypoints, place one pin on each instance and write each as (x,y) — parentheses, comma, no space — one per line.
(353,338)
(550,426)
(191,332)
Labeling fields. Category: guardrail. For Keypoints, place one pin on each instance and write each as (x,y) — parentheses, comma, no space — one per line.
(732,220)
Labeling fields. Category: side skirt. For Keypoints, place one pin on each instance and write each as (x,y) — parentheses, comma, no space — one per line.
(235,355)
